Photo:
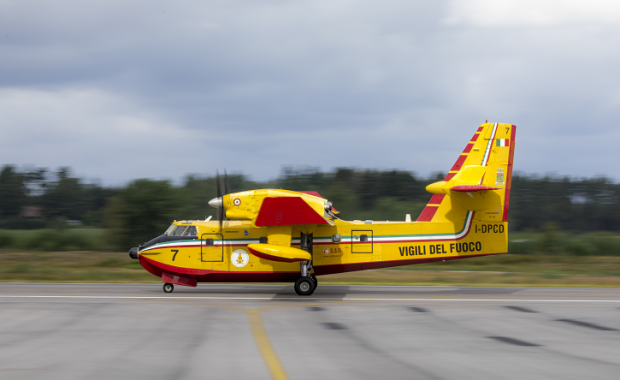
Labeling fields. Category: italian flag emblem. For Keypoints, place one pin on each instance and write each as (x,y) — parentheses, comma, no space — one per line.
(502,142)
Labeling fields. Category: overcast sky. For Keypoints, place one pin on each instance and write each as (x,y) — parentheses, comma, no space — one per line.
(120,90)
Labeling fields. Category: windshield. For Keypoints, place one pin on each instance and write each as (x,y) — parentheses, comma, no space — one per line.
(183,231)
(170,229)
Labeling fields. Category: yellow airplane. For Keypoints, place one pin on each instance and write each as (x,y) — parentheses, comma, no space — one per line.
(290,236)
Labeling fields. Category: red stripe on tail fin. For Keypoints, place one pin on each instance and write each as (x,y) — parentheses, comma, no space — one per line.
(427,214)
(459,163)
(511,157)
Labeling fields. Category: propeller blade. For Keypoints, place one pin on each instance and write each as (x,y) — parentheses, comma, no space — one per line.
(220,209)
(220,216)
(219,186)
(226,188)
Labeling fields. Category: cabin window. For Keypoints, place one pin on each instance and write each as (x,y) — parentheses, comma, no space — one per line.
(184,231)
(363,238)
(209,242)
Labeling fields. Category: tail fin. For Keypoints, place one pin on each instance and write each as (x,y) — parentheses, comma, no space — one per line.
(480,179)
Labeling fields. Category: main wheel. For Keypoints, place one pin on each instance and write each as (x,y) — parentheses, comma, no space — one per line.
(304,286)
(168,288)
(316,282)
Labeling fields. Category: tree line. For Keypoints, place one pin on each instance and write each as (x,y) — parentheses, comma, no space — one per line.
(32,198)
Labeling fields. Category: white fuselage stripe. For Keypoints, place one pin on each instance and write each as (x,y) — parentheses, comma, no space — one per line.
(323,240)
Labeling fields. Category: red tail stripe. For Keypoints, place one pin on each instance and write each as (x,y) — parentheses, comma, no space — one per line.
(459,163)
(511,157)
(436,199)
(427,214)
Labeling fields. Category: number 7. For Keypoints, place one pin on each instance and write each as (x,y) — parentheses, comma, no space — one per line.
(175,253)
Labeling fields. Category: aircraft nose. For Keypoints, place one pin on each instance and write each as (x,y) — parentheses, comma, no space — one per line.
(216,202)
(133,253)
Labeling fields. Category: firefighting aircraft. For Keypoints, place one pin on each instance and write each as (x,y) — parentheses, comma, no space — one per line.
(274,235)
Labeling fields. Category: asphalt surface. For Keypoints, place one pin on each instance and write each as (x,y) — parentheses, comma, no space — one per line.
(110,331)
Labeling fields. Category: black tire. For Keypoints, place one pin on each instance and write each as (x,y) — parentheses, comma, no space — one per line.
(316,282)
(304,286)
(168,288)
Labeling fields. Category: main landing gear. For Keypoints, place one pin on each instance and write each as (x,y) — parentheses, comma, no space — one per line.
(306,284)
(168,288)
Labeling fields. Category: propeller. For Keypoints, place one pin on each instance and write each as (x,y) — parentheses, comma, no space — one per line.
(218,201)
(220,209)
(226,188)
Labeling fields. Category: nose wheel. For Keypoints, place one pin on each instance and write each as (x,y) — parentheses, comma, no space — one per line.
(305,286)
(168,288)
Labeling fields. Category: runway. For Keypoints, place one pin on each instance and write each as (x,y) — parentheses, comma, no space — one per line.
(105,331)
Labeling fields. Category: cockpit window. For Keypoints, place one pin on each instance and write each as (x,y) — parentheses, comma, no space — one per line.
(170,229)
(184,231)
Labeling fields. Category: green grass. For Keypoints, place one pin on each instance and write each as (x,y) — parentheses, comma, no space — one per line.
(501,270)
(79,266)
(71,239)
(558,243)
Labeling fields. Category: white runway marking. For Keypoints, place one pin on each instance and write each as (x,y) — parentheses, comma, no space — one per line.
(323,299)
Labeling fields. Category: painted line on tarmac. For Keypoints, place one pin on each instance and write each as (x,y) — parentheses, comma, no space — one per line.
(274,365)
(324,299)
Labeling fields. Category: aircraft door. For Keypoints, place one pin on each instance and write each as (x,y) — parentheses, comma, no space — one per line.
(211,250)
(361,241)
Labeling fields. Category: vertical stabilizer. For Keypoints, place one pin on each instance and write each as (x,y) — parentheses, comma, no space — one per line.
(480,179)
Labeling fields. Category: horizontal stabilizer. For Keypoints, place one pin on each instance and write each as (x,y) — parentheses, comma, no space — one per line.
(468,179)
(279,253)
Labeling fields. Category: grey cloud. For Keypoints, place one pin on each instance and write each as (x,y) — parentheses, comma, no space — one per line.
(253,86)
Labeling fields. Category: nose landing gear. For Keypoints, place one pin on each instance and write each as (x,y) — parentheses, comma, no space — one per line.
(168,288)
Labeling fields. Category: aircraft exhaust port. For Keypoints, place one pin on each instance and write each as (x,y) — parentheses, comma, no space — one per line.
(133,253)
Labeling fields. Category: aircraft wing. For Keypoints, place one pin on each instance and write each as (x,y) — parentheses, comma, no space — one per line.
(278,211)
